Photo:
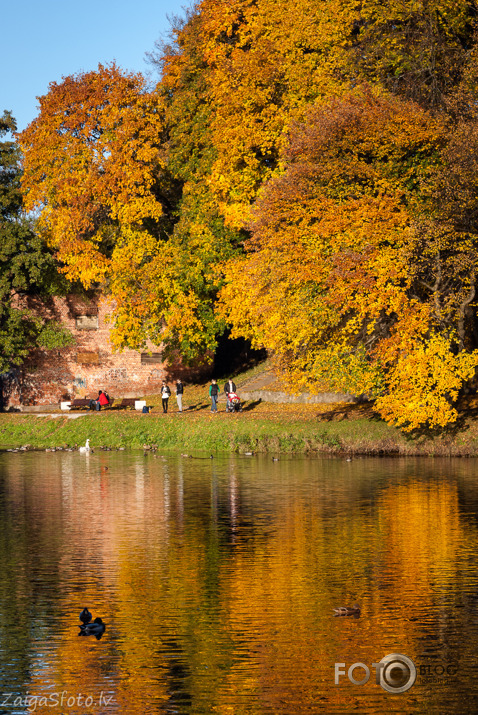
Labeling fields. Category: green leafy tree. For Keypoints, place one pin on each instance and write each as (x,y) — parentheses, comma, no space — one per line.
(26,266)
(181,284)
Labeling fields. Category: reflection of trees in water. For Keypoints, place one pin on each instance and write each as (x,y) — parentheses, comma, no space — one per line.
(217,578)
(177,673)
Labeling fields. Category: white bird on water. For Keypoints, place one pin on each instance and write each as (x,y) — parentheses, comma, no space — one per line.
(86,448)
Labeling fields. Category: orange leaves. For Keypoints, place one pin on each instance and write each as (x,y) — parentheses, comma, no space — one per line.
(345,280)
(327,276)
(263,62)
(94,165)
(90,162)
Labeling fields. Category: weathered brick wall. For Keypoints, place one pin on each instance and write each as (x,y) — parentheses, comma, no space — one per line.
(86,367)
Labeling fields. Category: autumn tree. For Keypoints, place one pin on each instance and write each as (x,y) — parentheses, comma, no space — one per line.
(229,80)
(95,172)
(262,63)
(149,193)
(332,282)
(236,74)
(116,191)
(90,160)
(265,61)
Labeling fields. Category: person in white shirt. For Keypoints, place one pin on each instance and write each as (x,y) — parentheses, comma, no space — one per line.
(165,394)
(179,394)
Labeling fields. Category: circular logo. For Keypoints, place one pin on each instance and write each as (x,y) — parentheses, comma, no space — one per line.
(398,673)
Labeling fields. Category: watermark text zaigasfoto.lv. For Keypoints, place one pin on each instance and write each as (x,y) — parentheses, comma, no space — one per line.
(62,699)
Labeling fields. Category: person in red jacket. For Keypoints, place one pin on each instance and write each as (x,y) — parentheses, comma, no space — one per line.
(100,401)
(103,398)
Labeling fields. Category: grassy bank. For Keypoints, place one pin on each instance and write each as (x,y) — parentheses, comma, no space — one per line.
(261,428)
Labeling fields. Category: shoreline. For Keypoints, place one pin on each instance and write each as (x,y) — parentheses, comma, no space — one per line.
(270,431)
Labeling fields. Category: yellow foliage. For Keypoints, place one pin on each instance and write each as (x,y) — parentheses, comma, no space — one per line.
(148,285)
(332,283)
(425,382)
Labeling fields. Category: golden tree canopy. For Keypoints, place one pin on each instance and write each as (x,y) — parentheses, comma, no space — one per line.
(90,162)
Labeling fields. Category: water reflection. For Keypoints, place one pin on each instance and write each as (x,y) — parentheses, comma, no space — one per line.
(217,581)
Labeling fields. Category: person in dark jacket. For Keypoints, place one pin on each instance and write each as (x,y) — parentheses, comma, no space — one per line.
(165,394)
(179,394)
(213,394)
(228,388)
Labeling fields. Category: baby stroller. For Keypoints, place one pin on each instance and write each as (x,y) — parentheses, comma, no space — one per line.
(233,403)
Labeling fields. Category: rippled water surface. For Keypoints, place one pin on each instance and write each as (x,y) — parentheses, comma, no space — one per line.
(217,580)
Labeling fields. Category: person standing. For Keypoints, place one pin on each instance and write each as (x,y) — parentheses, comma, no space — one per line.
(165,394)
(228,388)
(213,394)
(179,394)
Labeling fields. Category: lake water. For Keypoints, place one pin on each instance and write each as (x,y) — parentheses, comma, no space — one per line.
(217,579)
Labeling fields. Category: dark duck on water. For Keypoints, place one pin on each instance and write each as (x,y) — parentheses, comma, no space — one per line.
(85,616)
(97,628)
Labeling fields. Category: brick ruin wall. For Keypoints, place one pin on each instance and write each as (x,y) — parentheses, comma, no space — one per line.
(87,366)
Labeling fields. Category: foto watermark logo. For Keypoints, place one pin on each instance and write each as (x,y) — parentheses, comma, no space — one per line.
(395,673)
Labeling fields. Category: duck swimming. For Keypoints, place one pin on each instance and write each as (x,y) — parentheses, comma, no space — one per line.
(348,610)
(85,616)
(97,628)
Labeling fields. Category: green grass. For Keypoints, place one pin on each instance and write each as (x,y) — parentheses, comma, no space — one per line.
(197,431)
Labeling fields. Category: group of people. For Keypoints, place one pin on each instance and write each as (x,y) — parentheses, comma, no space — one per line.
(166,394)
(229,389)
